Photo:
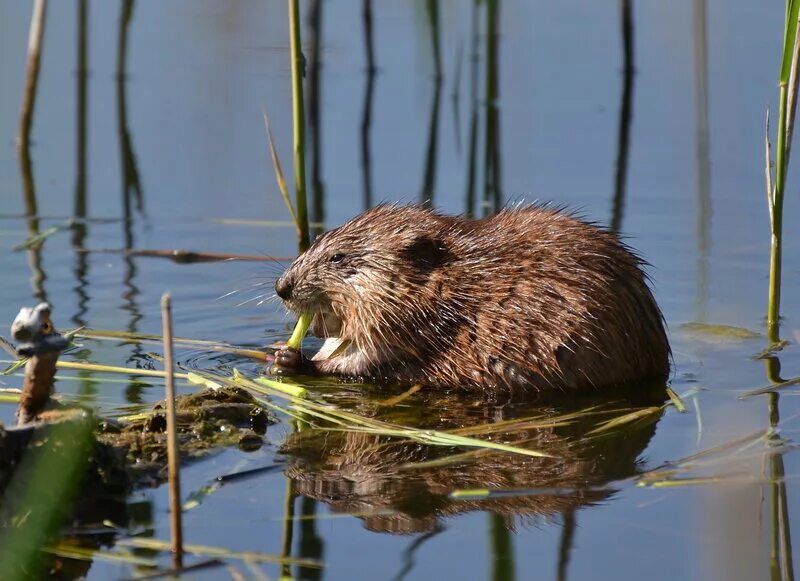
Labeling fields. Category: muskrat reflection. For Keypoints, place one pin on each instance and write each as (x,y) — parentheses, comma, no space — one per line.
(404,487)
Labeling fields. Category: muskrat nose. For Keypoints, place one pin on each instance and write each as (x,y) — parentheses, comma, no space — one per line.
(284,288)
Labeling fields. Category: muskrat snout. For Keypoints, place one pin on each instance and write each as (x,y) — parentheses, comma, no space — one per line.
(284,287)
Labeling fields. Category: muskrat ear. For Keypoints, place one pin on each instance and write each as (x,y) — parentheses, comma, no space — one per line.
(427,253)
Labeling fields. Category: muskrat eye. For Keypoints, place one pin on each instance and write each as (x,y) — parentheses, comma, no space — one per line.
(337,258)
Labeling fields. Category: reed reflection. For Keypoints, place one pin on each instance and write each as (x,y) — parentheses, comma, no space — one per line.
(474,63)
(79,225)
(703,152)
(310,543)
(502,548)
(492,190)
(566,542)
(314,120)
(132,198)
(34,251)
(625,116)
(429,176)
(366,115)
(781,557)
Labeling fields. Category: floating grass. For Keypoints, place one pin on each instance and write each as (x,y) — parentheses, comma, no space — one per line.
(676,400)
(719,332)
(180,256)
(733,478)
(306,409)
(739,449)
(218,552)
(38,238)
(265,223)
(261,383)
(648,413)
(113,369)
(129,337)
(489,493)
(771,388)
(85,554)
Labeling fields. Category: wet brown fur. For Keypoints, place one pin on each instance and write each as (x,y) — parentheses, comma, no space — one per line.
(530,298)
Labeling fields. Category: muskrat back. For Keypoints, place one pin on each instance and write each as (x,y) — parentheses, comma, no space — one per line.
(530,298)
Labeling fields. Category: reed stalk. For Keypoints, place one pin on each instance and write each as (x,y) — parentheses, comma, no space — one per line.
(775,192)
(32,75)
(298,125)
(299,130)
(173,453)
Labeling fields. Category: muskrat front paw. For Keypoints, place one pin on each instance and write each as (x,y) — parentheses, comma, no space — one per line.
(289,360)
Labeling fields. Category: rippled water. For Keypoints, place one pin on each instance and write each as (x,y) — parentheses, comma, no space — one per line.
(173,155)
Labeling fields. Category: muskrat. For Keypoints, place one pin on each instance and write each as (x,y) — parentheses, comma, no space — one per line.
(531,298)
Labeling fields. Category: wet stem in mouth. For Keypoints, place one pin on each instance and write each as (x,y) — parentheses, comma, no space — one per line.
(300,330)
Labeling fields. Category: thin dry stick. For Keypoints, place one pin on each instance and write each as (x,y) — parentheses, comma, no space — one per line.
(173,454)
(32,76)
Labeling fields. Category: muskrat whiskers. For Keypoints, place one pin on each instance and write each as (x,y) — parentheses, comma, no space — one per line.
(252,299)
(271,297)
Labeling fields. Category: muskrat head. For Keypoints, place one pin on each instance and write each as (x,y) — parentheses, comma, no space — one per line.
(357,279)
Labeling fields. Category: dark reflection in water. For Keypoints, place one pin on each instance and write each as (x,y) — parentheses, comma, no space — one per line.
(625,116)
(432,8)
(703,157)
(502,548)
(491,173)
(38,275)
(366,115)
(492,193)
(566,542)
(455,97)
(429,176)
(132,197)
(474,62)
(409,553)
(131,183)
(89,527)
(314,90)
(80,226)
(403,488)
(781,559)
(311,543)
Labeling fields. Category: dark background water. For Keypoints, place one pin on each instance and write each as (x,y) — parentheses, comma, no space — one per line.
(185,124)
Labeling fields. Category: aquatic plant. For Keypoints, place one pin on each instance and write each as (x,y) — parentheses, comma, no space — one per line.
(777,183)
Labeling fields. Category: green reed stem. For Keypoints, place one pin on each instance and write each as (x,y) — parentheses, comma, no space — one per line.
(299,129)
(298,124)
(781,166)
(300,330)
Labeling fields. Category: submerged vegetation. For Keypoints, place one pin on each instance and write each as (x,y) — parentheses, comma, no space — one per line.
(401,459)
